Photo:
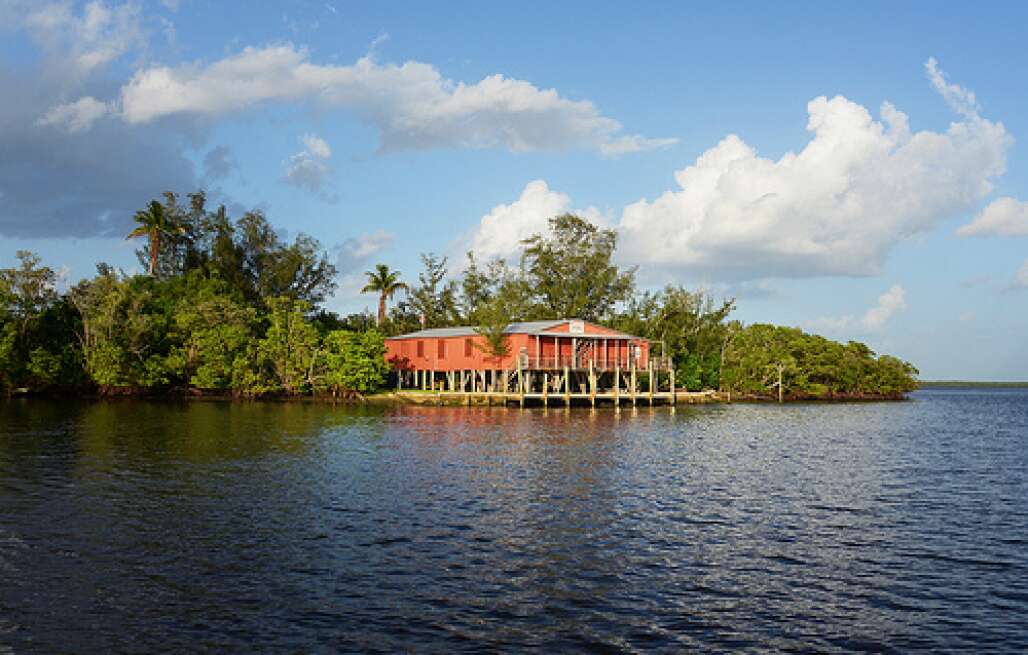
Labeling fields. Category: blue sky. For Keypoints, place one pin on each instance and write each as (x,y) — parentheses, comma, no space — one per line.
(743,148)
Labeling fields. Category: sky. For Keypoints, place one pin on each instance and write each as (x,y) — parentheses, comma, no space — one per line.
(856,171)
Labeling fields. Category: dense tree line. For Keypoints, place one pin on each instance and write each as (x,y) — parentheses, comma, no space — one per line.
(229,306)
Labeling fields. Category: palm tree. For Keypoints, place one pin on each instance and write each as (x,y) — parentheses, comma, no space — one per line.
(385,283)
(154,222)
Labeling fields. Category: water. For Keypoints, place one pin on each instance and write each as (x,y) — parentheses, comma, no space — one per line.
(891,527)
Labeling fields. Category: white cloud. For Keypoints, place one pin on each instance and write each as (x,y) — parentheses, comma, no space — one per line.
(88,40)
(75,116)
(1003,216)
(874,319)
(889,303)
(836,207)
(634,143)
(309,168)
(316,146)
(412,105)
(959,99)
(1021,277)
(499,233)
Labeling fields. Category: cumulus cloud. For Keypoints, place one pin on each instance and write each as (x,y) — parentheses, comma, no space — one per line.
(889,303)
(874,319)
(309,168)
(1003,216)
(317,146)
(499,233)
(74,116)
(412,105)
(836,207)
(355,253)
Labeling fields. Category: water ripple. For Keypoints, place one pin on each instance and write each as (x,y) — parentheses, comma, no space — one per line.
(881,528)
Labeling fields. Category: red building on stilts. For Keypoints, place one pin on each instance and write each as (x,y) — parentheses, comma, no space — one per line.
(543,357)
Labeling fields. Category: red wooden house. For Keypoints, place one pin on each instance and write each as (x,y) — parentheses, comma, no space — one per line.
(535,345)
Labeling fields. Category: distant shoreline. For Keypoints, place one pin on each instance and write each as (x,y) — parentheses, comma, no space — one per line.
(957,384)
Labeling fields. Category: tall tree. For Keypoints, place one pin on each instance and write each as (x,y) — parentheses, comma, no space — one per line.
(435,299)
(385,283)
(155,222)
(571,270)
(492,327)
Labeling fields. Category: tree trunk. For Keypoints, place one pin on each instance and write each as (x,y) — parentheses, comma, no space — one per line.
(381,310)
(155,246)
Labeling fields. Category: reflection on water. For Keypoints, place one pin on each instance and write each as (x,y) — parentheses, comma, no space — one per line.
(305,527)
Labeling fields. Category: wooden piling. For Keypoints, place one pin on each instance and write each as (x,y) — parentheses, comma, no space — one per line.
(617,386)
(592,385)
(651,383)
(634,380)
(567,387)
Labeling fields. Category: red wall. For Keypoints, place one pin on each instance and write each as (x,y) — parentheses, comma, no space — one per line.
(403,352)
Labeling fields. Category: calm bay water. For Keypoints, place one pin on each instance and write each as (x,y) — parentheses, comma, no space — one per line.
(136,526)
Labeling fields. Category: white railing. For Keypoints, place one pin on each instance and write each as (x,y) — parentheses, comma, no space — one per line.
(529,362)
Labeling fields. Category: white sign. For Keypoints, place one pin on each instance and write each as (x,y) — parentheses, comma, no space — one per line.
(577,327)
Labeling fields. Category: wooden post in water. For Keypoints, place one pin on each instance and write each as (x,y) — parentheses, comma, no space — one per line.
(546,389)
(617,385)
(592,384)
(521,385)
(651,383)
(567,387)
(634,380)
(674,397)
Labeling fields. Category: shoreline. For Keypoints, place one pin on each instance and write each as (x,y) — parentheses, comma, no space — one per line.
(453,399)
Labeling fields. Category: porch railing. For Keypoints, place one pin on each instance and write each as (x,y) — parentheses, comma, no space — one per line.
(531,362)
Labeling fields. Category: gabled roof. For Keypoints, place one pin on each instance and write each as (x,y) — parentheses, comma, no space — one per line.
(524,327)
(529,327)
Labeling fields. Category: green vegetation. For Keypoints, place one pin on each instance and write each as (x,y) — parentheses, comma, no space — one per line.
(230,307)
(227,307)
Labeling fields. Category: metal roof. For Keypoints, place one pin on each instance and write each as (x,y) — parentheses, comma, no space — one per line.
(525,327)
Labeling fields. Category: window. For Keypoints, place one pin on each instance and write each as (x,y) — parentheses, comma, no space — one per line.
(421,349)
(468,347)
(440,352)
(405,349)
